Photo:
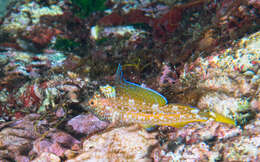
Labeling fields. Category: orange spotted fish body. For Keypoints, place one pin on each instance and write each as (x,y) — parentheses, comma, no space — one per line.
(131,103)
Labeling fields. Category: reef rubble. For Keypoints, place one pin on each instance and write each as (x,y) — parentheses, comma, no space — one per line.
(55,56)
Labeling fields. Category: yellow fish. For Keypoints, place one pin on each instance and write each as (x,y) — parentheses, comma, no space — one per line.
(131,103)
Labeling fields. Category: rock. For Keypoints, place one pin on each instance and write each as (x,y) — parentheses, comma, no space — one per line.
(197,152)
(47,157)
(224,104)
(22,158)
(225,81)
(41,145)
(60,112)
(58,143)
(3,60)
(243,148)
(28,13)
(86,124)
(120,144)
(17,137)
(64,138)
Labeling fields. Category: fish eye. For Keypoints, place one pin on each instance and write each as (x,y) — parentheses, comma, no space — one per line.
(91,102)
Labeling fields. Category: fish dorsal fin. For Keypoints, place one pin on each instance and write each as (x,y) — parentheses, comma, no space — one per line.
(135,91)
(119,74)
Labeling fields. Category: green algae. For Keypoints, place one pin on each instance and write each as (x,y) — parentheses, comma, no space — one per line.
(86,7)
(63,44)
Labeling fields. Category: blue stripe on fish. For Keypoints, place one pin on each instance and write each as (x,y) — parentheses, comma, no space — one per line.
(135,90)
(149,89)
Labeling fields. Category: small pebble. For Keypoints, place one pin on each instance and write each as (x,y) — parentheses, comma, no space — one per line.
(3,59)
(249,73)
(255,78)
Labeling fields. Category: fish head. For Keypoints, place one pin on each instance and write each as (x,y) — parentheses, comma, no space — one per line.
(95,100)
(92,102)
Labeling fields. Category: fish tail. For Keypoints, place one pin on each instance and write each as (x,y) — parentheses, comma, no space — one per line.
(220,118)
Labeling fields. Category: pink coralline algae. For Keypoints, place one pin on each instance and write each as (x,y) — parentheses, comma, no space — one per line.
(167,76)
(31,97)
(86,124)
(58,143)
(41,36)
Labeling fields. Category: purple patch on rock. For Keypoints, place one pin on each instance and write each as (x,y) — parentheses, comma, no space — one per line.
(41,145)
(21,158)
(86,124)
(64,139)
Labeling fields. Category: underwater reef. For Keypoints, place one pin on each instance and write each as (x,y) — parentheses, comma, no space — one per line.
(129,80)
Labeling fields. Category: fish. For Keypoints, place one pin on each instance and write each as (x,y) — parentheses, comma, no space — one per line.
(130,103)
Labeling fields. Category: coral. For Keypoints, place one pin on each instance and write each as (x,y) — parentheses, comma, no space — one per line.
(29,12)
